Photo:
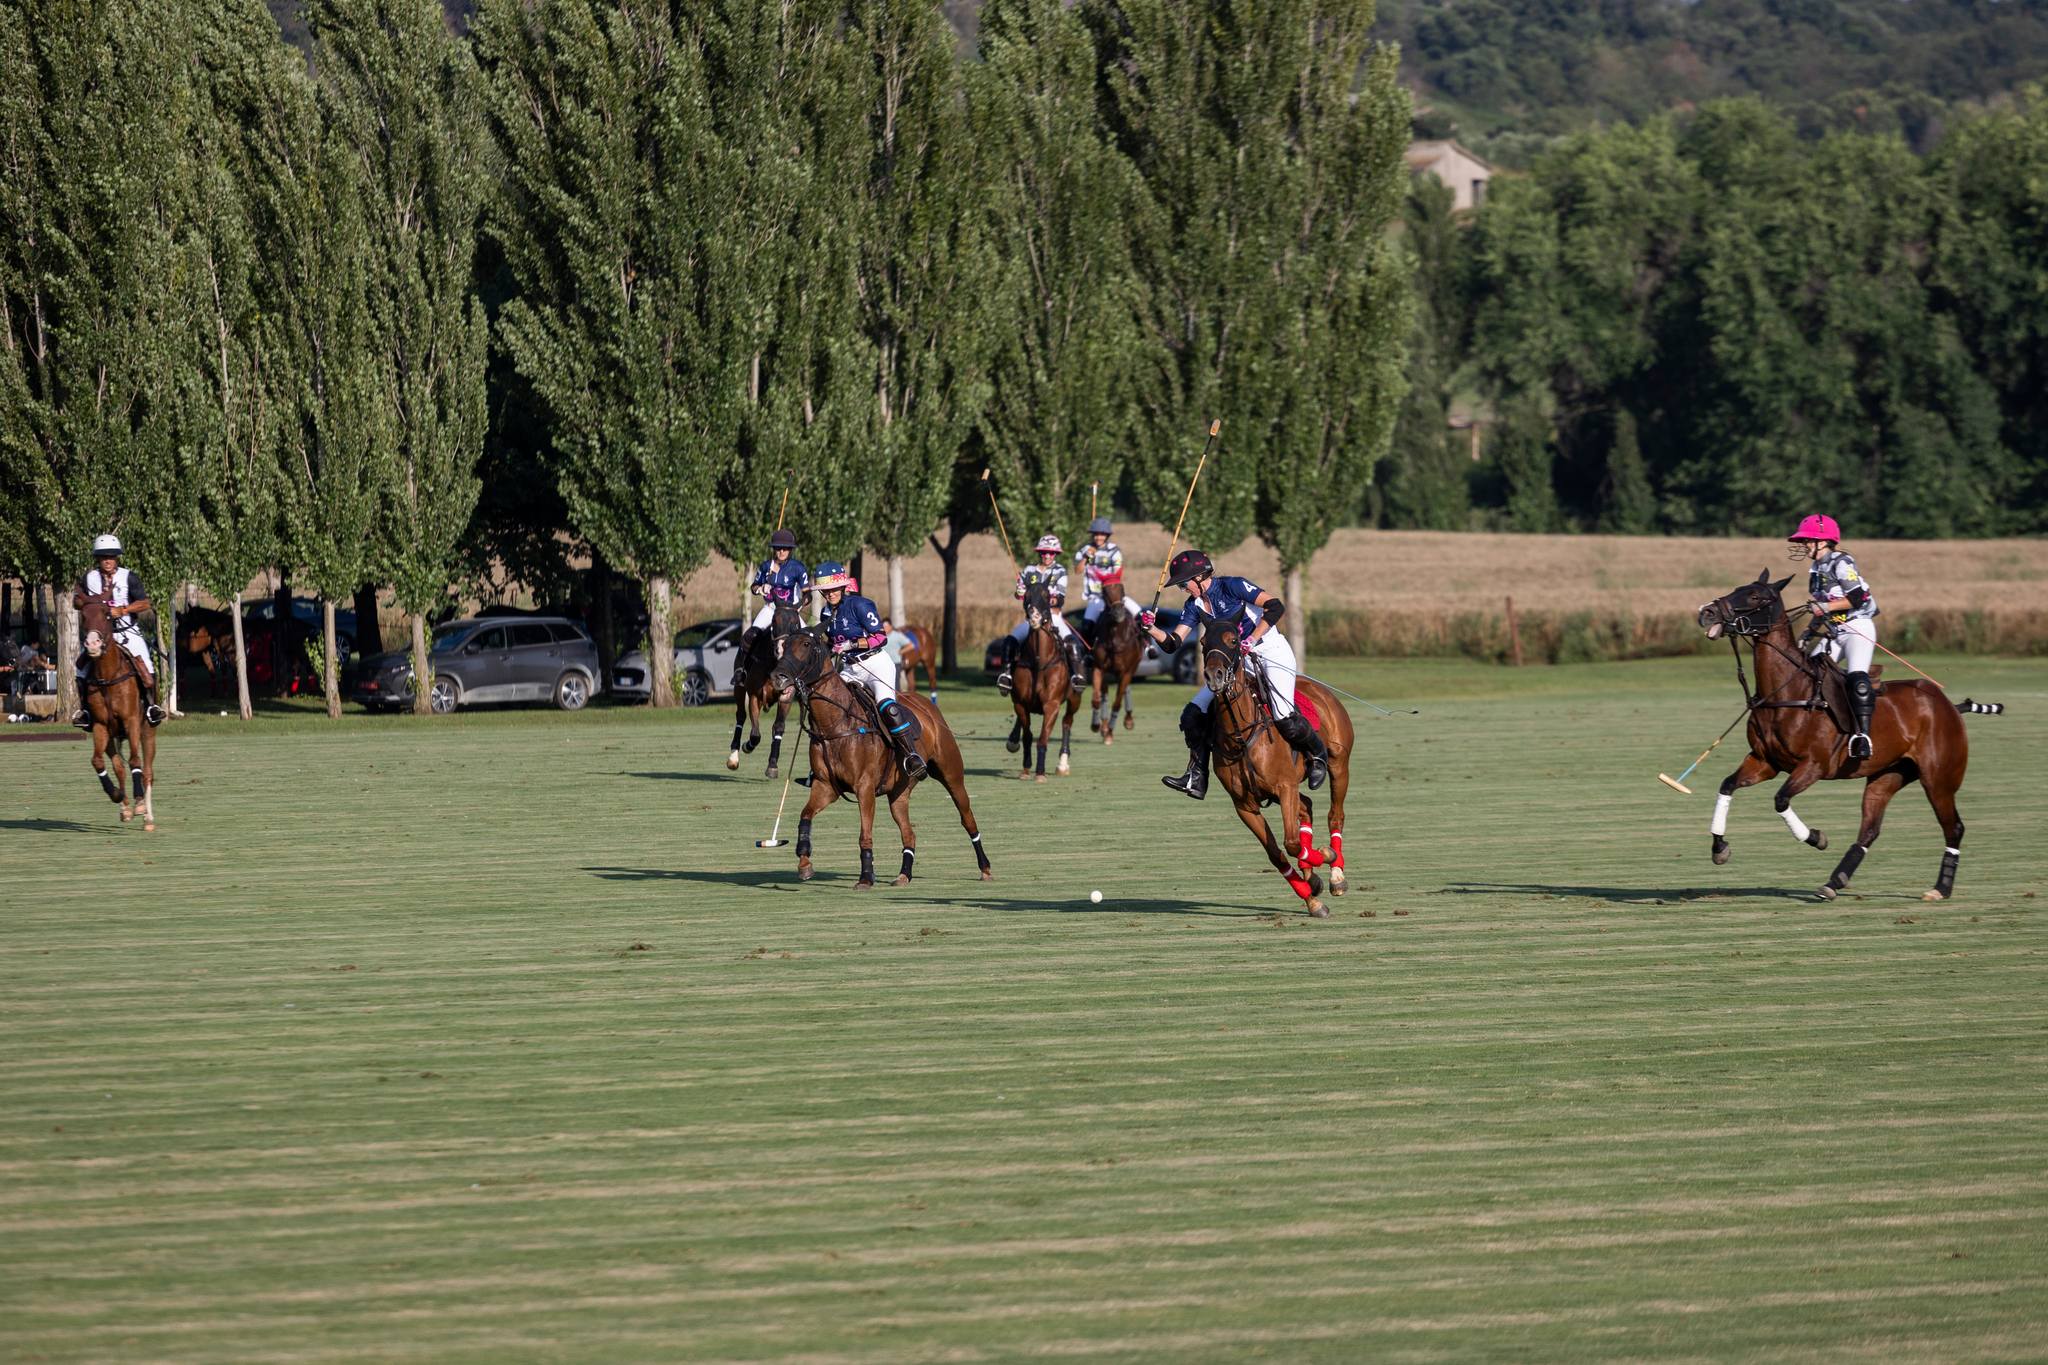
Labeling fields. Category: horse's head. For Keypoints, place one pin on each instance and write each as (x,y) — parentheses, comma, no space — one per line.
(805,655)
(1751,610)
(786,622)
(1222,658)
(1038,605)
(1113,597)
(96,623)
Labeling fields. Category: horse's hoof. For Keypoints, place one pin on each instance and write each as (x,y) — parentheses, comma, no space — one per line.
(804,872)
(1825,893)
(1721,852)
(1065,769)
(774,773)
(1041,777)
(903,879)
(150,827)
(1317,910)
(1107,740)
(863,886)
(126,815)
(1932,896)
(1011,745)
(1338,886)
(732,761)
(1128,720)
(1817,839)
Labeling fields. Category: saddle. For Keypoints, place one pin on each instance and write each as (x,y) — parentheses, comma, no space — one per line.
(1833,691)
(1262,691)
(871,714)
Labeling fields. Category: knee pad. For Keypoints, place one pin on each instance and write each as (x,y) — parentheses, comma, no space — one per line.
(1859,683)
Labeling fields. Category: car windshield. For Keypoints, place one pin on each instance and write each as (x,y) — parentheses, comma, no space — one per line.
(448,639)
(700,634)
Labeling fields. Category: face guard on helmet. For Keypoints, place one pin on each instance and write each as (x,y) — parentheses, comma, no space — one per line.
(1187,566)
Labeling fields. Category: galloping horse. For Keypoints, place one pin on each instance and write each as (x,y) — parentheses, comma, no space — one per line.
(848,754)
(1040,681)
(922,650)
(1115,651)
(1258,767)
(752,691)
(113,694)
(1797,725)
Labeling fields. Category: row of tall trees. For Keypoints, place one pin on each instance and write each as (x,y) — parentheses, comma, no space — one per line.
(662,269)
(1700,324)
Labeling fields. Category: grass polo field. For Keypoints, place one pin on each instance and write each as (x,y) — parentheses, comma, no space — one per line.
(495,1037)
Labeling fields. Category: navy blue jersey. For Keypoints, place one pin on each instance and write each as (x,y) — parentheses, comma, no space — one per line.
(854,622)
(1230,601)
(788,579)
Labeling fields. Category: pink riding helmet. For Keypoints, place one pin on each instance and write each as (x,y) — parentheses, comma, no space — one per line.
(1817,526)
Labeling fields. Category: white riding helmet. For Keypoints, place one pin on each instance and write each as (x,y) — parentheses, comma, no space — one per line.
(1048,543)
(106,545)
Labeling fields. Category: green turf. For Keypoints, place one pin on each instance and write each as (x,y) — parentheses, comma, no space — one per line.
(494,1038)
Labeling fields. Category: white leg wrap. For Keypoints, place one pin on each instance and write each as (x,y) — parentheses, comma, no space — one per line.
(1720,823)
(1795,824)
(1953,852)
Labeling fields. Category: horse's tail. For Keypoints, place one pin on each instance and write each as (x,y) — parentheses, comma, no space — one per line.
(1980,708)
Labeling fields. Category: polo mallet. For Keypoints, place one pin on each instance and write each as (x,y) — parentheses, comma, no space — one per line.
(991,490)
(785,505)
(773,840)
(1678,783)
(1215,426)
(1093,489)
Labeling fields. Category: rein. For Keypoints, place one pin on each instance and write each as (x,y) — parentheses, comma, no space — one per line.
(1232,745)
(1739,629)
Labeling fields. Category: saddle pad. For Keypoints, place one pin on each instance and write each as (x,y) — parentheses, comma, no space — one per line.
(1308,710)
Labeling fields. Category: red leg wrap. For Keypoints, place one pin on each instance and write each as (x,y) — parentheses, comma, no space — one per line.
(1337,850)
(1300,885)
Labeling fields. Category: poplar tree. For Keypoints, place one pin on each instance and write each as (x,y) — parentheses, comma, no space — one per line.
(1059,199)
(91,136)
(922,271)
(619,225)
(406,102)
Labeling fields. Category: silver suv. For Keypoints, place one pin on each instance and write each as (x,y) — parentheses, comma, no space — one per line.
(499,658)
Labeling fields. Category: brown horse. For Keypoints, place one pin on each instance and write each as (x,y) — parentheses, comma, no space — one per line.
(1916,734)
(113,695)
(1118,646)
(922,651)
(1040,681)
(849,755)
(752,691)
(1258,767)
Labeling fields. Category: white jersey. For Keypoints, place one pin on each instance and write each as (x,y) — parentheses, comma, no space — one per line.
(127,587)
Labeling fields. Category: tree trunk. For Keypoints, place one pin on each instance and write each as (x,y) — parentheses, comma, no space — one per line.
(661,642)
(949,617)
(422,670)
(369,635)
(167,655)
(899,610)
(1297,614)
(67,655)
(331,675)
(241,660)
(858,567)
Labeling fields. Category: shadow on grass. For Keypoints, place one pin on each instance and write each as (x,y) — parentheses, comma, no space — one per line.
(1081,905)
(720,776)
(49,826)
(1628,895)
(779,876)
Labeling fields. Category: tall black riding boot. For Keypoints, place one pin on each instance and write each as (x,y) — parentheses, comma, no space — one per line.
(1296,730)
(1194,725)
(1077,662)
(1003,679)
(151,711)
(739,666)
(896,729)
(1863,701)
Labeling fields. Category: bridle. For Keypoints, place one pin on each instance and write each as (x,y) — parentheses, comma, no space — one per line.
(1755,625)
(1223,672)
(803,674)
(107,642)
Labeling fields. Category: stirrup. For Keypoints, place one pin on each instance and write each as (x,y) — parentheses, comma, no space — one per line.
(82,719)
(154,714)
(1003,682)
(913,763)
(1859,745)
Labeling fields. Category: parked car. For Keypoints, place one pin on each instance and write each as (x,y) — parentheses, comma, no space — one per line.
(306,612)
(705,655)
(1181,666)
(542,658)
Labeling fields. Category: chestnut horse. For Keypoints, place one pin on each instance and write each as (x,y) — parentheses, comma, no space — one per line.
(1258,767)
(1916,734)
(849,755)
(752,691)
(1040,681)
(113,695)
(1116,650)
(922,650)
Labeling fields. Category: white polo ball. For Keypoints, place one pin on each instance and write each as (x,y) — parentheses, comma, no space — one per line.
(1095,897)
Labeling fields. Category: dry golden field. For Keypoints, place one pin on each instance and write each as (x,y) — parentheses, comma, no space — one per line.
(1428,591)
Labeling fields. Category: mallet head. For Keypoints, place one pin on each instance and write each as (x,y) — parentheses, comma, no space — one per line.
(1674,783)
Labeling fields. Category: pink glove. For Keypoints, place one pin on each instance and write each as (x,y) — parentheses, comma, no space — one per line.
(841,646)
(1147,617)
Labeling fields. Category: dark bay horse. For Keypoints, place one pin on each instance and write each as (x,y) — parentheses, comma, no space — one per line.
(1115,652)
(1040,681)
(848,756)
(1260,768)
(113,695)
(752,691)
(1916,734)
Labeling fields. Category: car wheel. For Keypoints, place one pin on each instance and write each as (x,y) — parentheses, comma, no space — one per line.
(572,690)
(442,697)
(696,687)
(1184,667)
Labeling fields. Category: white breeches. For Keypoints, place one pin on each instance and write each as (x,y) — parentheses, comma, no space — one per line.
(1276,658)
(131,642)
(876,673)
(1059,627)
(765,617)
(1852,644)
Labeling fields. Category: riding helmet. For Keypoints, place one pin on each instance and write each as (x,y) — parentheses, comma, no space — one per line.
(831,574)
(106,545)
(1048,542)
(1187,566)
(1099,526)
(1818,526)
(785,539)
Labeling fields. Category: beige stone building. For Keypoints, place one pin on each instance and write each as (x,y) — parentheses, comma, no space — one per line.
(1465,173)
